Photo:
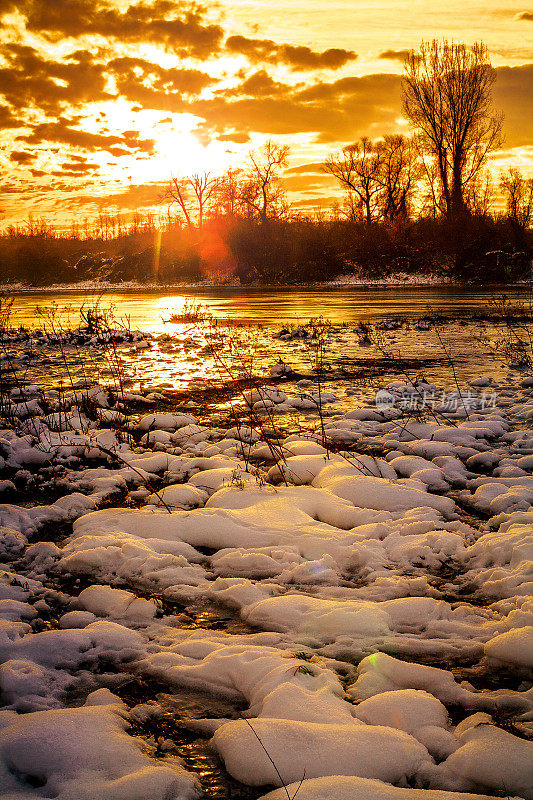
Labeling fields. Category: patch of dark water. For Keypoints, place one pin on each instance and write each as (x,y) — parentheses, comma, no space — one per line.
(212,616)
(171,732)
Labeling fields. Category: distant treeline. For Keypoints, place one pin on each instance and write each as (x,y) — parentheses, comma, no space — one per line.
(416,204)
(276,251)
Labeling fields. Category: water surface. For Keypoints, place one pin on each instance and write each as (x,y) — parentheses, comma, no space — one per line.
(147,309)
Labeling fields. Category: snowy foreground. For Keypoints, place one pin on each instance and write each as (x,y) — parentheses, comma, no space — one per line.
(378,629)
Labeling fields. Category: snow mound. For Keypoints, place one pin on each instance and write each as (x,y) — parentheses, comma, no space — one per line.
(314,750)
(350,788)
(84,753)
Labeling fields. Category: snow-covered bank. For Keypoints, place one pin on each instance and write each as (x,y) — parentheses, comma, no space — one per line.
(356,592)
(393,280)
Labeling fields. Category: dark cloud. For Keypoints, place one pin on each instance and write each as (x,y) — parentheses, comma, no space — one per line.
(118,151)
(259,84)
(143,195)
(8,119)
(350,107)
(305,58)
(33,81)
(138,70)
(334,111)
(395,55)
(178,26)
(300,183)
(21,156)
(381,90)
(77,168)
(526,15)
(61,132)
(313,201)
(301,58)
(152,86)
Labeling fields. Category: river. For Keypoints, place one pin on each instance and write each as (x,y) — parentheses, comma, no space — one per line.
(251,318)
(147,309)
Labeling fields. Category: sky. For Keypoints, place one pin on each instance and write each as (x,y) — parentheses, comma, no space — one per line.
(102,101)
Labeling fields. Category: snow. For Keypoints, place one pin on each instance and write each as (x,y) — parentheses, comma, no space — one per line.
(311,618)
(104,601)
(380,672)
(513,648)
(367,751)
(165,422)
(84,753)
(358,609)
(409,710)
(382,494)
(489,759)
(350,788)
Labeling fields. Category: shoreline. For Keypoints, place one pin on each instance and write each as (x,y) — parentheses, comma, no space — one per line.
(16,289)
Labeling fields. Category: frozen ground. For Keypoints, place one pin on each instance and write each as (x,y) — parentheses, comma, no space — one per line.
(195,603)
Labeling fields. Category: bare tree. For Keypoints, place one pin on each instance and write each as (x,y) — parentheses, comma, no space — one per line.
(447,96)
(261,192)
(177,192)
(228,200)
(480,193)
(205,187)
(194,196)
(518,194)
(397,173)
(356,168)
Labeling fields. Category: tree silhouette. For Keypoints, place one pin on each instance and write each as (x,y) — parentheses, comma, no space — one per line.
(397,174)
(447,97)
(193,196)
(262,193)
(356,168)
(518,194)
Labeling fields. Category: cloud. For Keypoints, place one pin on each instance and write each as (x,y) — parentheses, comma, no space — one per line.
(306,169)
(347,108)
(144,195)
(297,57)
(259,84)
(236,138)
(301,183)
(340,110)
(7,6)
(151,86)
(61,132)
(305,58)
(526,15)
(77,167)
(395,55)
(178,26)
(137,71)
(7,118)
(21,156)
(33,81)
(512,94)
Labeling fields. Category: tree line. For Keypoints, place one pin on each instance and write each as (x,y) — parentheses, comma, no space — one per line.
(416,203)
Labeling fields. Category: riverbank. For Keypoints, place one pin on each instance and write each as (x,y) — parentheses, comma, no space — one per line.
(397,281)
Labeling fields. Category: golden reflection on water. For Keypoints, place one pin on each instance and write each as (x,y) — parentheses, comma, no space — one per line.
(146,309)
(184,358)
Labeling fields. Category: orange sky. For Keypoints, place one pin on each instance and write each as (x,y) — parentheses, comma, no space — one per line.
(105,99)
